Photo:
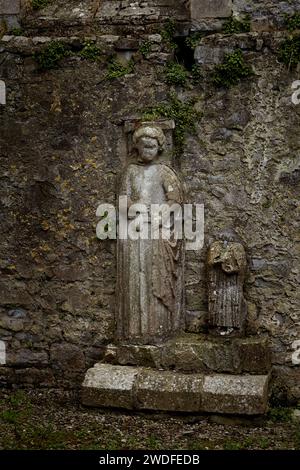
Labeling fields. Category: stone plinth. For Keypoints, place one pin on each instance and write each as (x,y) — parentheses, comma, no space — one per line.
(109,386)
(197,353)
(235,394)
(142,389)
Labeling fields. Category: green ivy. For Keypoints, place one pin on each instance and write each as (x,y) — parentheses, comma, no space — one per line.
(116,70)
(38,4)
(289,52)
(90,51)
(145,48)
(175,74)
(168,33)
(293,22)
(232,70)
(183,113)
(17,32)
(49,57)
(196,74)
(193,40)
(234,25)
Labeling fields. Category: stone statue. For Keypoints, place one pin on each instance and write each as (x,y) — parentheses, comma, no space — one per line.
(227,264)
(150,271)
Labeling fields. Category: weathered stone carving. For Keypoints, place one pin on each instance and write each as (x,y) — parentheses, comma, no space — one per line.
(226,263)
(150,272)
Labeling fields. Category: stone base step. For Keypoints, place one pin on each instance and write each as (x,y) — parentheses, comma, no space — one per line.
(202,354)
(137,388)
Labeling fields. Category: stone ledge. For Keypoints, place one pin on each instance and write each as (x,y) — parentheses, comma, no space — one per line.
(136,388)
(197,353)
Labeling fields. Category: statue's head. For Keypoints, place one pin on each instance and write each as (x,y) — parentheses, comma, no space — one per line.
(149,141)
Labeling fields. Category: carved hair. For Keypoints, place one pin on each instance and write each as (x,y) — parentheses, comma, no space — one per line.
(150,131)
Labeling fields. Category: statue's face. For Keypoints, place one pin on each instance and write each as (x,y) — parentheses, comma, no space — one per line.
(148,148)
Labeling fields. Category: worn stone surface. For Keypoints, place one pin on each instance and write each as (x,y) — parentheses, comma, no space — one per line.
(235,395)
(206,55)
(9,7)
(62,146)
(111,386)
(210,9)
(169,391)
(108,385)
(197,353)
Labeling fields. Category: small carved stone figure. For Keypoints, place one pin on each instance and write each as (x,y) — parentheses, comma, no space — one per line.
(227,265)
(150,271)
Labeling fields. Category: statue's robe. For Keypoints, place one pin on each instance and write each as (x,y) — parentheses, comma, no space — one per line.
(226,273)
(150,272)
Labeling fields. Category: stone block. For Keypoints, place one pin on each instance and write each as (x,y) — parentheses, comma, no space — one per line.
(199,356)
(169,391)
(208,55)
(144,355)
(210,9)
(254,354)
(106,385)
(230,394)
(9,7)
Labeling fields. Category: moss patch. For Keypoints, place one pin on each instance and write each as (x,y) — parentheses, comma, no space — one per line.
(175,74)
(39,4)
(232,70)
(90,51)
(116,70)
(183,113)
(235,26)
(49,57)
(293,22)
(289,52)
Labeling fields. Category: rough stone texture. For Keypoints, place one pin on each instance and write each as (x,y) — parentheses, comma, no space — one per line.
(197,353)
(62,146)
(111,386)
(168,391)
(210,9)
(235,395)
(210,55)
(130,387)
(9,7)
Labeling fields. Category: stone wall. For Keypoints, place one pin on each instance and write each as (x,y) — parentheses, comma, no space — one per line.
(63,145)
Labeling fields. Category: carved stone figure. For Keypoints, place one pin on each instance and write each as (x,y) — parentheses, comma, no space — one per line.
(227,264)
(150,271)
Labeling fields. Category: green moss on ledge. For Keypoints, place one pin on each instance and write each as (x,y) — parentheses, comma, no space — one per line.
(183,113)
(49,56)
(232,70)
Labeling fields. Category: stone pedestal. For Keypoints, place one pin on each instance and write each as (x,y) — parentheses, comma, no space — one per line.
(138,388)
(192,373)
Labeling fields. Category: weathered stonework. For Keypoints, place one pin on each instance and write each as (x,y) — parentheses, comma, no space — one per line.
(210,9)
(138,388)
(9,7)
(62,147)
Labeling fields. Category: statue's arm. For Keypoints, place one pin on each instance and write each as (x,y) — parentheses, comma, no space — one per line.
(172,187)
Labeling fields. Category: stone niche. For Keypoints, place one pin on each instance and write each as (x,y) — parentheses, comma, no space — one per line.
(210,9)
(153,364)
